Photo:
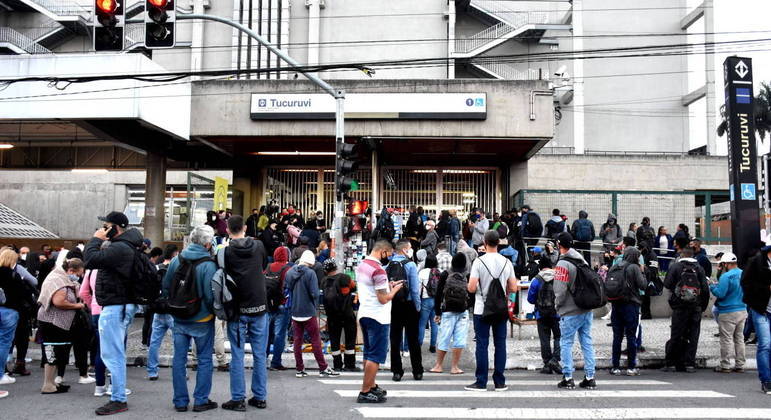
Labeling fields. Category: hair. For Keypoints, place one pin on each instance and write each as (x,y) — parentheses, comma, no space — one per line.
(683,227)
(555,212)
(330,266)
(629,241)
(169,251)
(544,263)
(236,224)
(686,252)
(402,244)
(8,258)
(202,235)
(696,241)
(431,262)
(441,246)
(382,245)
(632,225)
(646,220)
(156,252)
(660,229)
(681,243)
(491,238)
(74,264)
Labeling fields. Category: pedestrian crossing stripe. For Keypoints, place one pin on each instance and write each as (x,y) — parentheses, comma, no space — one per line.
(509,382)
(564,413)
(546,394)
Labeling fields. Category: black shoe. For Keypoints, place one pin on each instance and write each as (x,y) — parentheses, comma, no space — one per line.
(180,409)
(397,377)
(278,368)
(417,376)
(379,391)
(690,369)
(641,349)
(766,387)
(234,405)
(609,324)
(475,387)
(254,402)
(546,370)
(208,405)
(370,398)
(555,366)
(588,383)
(432,349)
(566,383)
(501,387)
(224,368)
(112,407)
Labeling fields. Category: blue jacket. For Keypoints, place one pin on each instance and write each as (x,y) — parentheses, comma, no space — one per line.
(302,284)
(203,275)
(704,262)
(412,276)
(454,228)
(510,253)
(728,292)
(532,293)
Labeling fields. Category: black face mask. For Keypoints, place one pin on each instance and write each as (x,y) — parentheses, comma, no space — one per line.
(112,232)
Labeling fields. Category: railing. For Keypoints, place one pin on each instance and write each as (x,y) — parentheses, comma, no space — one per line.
(64,7)
(512,12)
(20,40)
(44,29)
(498,31)
(135,34)
(506,71)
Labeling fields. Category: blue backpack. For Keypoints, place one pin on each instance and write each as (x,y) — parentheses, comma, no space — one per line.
(584,230)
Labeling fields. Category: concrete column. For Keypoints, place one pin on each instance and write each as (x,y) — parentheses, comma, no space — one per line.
(155,192)
(374,203)
(712,108)
(451,39)
(314,12)
(578,78)
(196,50)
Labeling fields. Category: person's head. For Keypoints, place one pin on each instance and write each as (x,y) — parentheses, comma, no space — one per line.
(236,226)
(382,251)
(686,252)
(23,252)
(221,215)
(74,267)
(441,247)
(255,211)
(323,245)
(319,215)
(202,235)
(307,258)
(628,241)
(453,213)
(696,244)
(555,212)
(290,209)
(550,246)
(564,242)
(170,252)
(115,223)
(729,261)
(662,231)
(646,221)
(421,255)
(492,240)
(8,258)
(330,267)
(459,262)
(431,262)
(681,243)
(404,247)
(156,254)
(633,226)
(525,208)
(631,255)
(273,224)
(430,225)
(146,244)
(544,264)
(45,249)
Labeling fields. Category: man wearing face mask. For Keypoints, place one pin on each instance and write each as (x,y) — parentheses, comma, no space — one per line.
(115,265)
(405,311)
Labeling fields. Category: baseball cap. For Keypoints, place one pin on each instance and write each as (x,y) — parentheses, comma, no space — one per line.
(728,257)
(148,243)
(565,239)
(116,218)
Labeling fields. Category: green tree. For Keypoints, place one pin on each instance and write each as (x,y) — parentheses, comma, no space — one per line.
(762,113)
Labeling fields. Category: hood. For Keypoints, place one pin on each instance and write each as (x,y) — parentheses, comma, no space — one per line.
(688,260)
(281,255)
(582,214)
(421,254)
(243,247)
(194,252)
(631,255)
(547,275)
(462,245)
(302,268)
(612,217)
(572,253)
(702,251)
(132,236)
(556,219)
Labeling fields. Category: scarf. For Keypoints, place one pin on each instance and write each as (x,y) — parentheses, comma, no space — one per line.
(55,281)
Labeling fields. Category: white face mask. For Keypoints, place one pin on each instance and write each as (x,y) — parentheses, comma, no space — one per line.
(23,257)
(410,253)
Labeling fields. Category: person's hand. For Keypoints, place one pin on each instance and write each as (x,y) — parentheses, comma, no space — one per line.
(396,286)
(438,319)
(101,234)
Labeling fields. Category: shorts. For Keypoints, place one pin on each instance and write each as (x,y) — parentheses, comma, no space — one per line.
(453,331)
(375,340)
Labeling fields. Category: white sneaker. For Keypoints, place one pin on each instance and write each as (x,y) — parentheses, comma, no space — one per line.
(7,380)
(100,391)
(83,380)
(3,394)
(58,380)
(328,372)
(109,391)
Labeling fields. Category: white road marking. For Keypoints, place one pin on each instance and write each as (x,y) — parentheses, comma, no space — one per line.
(564,413)
(389,383)
(545,394)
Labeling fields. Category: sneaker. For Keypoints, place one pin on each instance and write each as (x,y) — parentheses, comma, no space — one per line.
(588,383)
(555,366)
(566,383)
(152,378)
(501,387)
(301,374)
(112,407)
(234,405)
(278,368)
(370,398)
(546,370)
(208,405)
(615,372)
(633,372)
(738,370)
(180,409)
(224,368)
(719,369)
(766,387)
(379,391)
(326,373)
(690,369)
(3,394)
(475,387)
(100,391)
(7,380)
(83,380)
(58,380)
(254,402)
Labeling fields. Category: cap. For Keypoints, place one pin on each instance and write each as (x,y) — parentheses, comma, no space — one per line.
(307,258)
(728,257)
(537,249)
(148,243)
(766,248)
(565,240)
(116,218)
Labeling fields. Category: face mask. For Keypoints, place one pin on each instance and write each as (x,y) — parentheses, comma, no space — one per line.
(74,277)
(383,260)
(410,253)
(23,257)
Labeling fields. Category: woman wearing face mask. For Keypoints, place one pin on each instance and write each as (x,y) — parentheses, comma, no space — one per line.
(58,309)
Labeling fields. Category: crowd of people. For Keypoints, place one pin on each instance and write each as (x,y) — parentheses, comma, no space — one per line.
(255,280)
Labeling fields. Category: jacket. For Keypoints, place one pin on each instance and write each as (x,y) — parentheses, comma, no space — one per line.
(634,276)
(341,306)
(582,218)
(244,261)
(612,236)
(531,225)
(728,292)
(673,277)
(203,275)
(115,264)
(756,283)
(564,276)
(645,233)
(302,284)
(270,240)
(429,244)
(454,228)
(535,287)
(554,226)
(13,288)
(251,225)
(478,234)
(704,262)
(412,277)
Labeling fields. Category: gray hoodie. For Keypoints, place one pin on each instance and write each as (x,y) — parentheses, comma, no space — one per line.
(564,276)
(611,234)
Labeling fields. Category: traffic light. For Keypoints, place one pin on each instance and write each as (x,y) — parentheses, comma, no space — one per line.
(160,20)
(346,164)
(109,18)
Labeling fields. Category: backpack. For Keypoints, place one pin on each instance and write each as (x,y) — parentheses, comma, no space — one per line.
(144,286)
(688,288)
(160,304)
(587,291)
(396,271)
(433,282)
(336,298)
(544,301)
(616,284)
(222,286)
(496,303)
(184,301)
(455,295)
(583,230)
(503,230)
(554,228)
(655,285)
(534,226)
(274,287)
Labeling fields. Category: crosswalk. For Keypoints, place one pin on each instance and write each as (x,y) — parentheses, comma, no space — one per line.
(442,396)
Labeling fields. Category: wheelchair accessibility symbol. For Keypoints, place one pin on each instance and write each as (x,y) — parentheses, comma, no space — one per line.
(748,191)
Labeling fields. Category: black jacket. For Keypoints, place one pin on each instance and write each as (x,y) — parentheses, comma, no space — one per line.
(251,225)
(16,294)
(114,264)
(270,240)
(673,277)
(756,283)
(244,261)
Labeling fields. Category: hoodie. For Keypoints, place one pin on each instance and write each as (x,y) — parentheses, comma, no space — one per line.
(203,275)
(470,253)
(704,262)
(611,231)
(280,259)
(114,264)
(554,226)
(544,276)
(673,277)
(244,262)
(565,275)
(582,226)
(729,293)
(634,275)
(303,285)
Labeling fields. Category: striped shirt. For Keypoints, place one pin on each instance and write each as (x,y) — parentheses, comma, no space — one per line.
(370,277)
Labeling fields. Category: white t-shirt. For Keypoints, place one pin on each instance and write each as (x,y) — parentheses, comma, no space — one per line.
(499,266)
(663,242)
(371,277)
(423,276)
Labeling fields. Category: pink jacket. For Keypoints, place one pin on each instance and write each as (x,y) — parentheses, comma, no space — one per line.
(88,292)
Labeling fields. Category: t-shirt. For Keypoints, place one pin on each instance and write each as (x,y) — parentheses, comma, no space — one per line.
(370,277)
(423,276)
(663,242)
(499,266)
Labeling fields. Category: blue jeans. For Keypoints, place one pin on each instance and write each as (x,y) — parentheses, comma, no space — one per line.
(625,319)
(113,324)
(203,335)
(161,324)
(763,332)
(99,369)
(254,330)
(569,326)
(9,318)
(482,331)
(427,315)
(278,323)
(453,245)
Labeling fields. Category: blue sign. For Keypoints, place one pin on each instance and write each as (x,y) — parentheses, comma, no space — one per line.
(748,191)
(262,103)
(470,102)
(731,190)
(480,102)
(743,95)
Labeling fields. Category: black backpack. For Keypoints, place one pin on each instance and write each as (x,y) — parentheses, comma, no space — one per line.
(184,301)
(144,286)
(688,288)
(534,226)
(160,304)
(616,284)
(396,271)
(583,230)
(273,287)
(503,230)
(433,282)
(545,299)
(455,295)
(496,303)
(587,290)
(554,228)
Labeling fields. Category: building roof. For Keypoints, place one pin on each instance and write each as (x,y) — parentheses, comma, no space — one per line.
(14,225)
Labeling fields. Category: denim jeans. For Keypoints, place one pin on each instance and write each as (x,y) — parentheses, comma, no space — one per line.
(482,331)
(99,369)
(625,319)
(161,324)
(203,335)
(763,332)
(278,323)
(9,318)
(254,330)
(427,315)
(113,324)
(569,326)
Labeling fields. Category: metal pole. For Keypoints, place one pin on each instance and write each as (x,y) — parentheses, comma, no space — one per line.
(337,230)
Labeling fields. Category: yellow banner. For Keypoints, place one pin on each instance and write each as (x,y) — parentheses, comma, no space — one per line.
(220,193)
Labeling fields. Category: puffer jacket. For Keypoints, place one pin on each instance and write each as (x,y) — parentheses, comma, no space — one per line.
(114,264)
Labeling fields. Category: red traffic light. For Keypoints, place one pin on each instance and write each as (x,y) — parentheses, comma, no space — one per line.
(159,3)
(107,6)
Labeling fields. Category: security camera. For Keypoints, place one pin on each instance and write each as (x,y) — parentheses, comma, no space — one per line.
(561,71)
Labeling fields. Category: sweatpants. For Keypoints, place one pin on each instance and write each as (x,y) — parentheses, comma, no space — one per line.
(405,320)
(684,338)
